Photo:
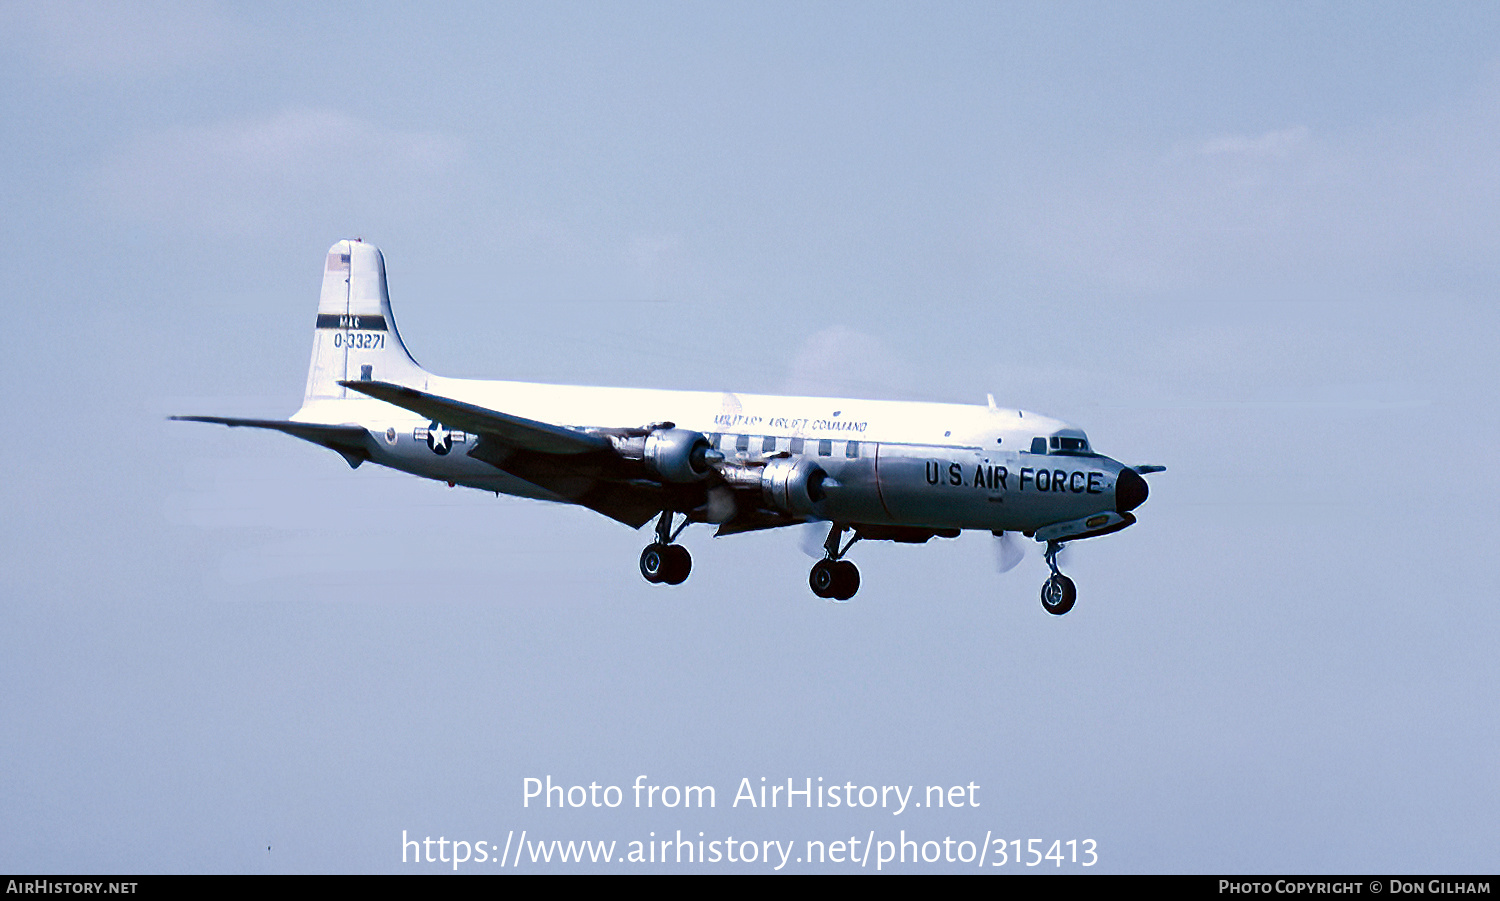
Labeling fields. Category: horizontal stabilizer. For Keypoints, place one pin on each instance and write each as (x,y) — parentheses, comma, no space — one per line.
(350,441)
(526,434)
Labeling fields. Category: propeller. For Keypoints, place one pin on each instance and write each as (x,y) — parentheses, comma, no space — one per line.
(720,506)
(1010,550)
(811,538)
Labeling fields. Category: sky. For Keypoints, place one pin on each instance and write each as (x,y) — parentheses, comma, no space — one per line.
(1255,243)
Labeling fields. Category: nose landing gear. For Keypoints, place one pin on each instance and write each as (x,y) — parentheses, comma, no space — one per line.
(663,561)
(1058,592)
(833,577)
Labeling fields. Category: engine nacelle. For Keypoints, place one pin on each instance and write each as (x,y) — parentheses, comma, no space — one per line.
(794,485)
(679,455)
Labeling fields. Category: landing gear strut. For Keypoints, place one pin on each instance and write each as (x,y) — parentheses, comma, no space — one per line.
(834,577)
(1058,592)
(663,561)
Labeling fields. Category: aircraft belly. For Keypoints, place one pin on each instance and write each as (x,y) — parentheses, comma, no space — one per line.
(419,458)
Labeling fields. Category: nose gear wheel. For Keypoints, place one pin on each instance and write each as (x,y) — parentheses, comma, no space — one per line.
(1058,595)
(1058,592)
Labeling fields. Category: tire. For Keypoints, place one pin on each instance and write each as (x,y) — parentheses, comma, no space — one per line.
(1058,595)
(654,562)
(678,563)
(822,579)
(845,580)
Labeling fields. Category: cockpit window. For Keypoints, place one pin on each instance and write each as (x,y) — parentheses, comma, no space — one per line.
(1064,445)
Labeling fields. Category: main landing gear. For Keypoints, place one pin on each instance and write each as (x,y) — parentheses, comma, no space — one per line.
(663,561)
(1058,592)
(833,577)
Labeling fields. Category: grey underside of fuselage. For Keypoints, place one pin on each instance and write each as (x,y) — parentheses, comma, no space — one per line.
(890,484)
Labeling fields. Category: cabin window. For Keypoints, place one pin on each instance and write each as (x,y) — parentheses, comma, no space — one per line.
(767,445)
(851,450)
(796,447)
(742,443)
(825,447)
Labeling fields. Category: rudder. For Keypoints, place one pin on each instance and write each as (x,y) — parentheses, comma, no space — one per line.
(355,336)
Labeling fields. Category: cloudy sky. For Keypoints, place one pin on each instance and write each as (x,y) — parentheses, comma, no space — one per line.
(1255,243)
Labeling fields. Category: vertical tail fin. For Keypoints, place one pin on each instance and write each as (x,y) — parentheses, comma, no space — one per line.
(356,335)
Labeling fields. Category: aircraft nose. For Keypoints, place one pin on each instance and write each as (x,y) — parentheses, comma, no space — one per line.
(1130,490)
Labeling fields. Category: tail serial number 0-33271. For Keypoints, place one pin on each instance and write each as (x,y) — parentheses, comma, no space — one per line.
(872,470)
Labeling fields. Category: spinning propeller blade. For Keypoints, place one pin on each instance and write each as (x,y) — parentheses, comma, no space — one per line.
(1010,550)
(811,537)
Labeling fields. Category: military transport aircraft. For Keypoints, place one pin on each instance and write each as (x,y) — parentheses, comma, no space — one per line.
(875,470)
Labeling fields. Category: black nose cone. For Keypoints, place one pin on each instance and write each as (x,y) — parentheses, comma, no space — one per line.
(1130,491)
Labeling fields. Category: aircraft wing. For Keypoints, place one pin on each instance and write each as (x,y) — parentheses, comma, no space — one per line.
(350,441)
(516,431)
(580,467)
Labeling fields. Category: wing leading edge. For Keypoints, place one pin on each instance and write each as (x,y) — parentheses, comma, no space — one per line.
(516,431)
